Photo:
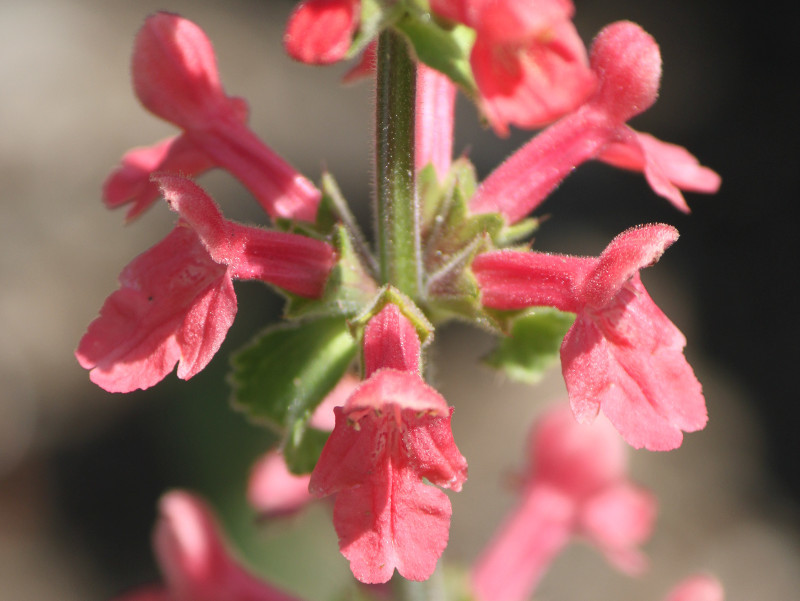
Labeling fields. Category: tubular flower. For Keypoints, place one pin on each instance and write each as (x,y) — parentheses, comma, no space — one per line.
(627,63)
(576,485)
(622,354)
(176,300)
(529,63)
(194,560)
(175,77)
(435,109)
(320,32)
(390,434)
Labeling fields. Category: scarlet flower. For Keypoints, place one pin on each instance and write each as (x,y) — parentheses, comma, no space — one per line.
(195,561)
(390,434)
(176,300)
(627,63)
(320,32)
(701,587)
(622,354)
(576,484)
(435,109)
(175,77)
(529,62)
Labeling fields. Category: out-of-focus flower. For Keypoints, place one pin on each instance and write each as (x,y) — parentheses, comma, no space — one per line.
(194,560)
(576,485)
(320,32)
(528,60)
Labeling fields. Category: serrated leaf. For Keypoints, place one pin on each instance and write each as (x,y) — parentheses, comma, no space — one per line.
(532,345)
(446,50)
(281,377)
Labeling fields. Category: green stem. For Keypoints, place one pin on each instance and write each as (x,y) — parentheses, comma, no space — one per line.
(398,209)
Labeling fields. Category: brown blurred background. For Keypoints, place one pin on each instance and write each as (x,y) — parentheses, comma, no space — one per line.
(81,470)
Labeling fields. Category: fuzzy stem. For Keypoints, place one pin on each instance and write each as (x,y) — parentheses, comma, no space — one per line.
(398,208)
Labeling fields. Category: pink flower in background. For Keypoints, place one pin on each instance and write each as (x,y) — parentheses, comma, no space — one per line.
(272,489)
(627,63)
(194,560)
(528,60)
(175,77)
(320,32)
(698,588)
(622,354)
(576,485)
(176,301)
(393,432)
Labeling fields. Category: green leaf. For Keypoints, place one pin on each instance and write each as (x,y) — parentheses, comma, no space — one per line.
(532,345)
(286,372)
(446,50)
(373,18)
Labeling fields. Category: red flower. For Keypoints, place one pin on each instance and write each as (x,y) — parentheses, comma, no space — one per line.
(528,60)
(435,109)
(628,67)
(194,560)
(320,32)
(576,485)
(391,433)
(176,301)
(622,354)
(175,77)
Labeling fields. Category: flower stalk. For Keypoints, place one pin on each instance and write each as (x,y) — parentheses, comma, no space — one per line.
(398,207)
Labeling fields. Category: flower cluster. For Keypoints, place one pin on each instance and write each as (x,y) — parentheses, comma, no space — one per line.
(381,441)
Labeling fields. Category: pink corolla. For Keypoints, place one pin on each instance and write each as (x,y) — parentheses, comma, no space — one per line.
(627,63)
(622,355)
(194,560)
(576,485)
(176,300)
(175,77)
(320,32)
(393,432)
(529,62)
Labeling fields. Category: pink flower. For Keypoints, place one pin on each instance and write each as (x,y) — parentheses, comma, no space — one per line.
(576,485)
(194,560)
(391,433)
(698,588)
(273,490)
(529,62)
(628,67)
(175,77)
(622,354)
(435,109)
(320,32)
(176,300)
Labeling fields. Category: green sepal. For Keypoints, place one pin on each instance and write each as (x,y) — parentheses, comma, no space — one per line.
(446,50)
(349,287)
(532,345)
(388,294)
(281,377)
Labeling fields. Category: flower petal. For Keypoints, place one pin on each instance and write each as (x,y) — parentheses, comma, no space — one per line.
(320,32)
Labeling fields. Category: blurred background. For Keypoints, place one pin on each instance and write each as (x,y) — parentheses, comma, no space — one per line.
(81,470)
